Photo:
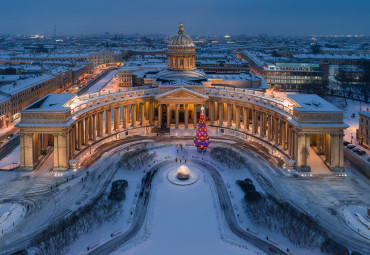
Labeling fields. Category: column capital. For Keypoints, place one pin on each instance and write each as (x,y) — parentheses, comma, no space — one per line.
(300,134)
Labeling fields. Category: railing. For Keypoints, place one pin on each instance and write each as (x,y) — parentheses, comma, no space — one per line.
(262,98)
(257,97)
(95,99)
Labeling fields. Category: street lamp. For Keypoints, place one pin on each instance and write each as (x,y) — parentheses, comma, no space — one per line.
(351,136)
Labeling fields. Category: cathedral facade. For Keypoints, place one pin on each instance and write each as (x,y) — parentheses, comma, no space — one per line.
(66,125)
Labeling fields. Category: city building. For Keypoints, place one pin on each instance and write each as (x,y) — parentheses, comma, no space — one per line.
(363,134)
(288,74)
(294,124)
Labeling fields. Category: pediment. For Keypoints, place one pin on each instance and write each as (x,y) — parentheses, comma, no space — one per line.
(182,93)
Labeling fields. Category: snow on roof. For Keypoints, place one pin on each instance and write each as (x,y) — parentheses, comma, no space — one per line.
(51,102)
(366,113)
(26,83)
(311,102)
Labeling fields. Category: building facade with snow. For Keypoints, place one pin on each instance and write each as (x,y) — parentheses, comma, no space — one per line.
(293,124)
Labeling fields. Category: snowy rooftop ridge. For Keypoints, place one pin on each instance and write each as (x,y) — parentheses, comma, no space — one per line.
(312,102)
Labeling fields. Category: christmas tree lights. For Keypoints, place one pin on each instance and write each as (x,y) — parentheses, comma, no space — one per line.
(201,140)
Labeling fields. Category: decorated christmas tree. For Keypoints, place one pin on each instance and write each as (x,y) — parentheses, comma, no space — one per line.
(201,140)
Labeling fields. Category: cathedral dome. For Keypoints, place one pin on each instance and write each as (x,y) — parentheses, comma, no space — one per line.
(181,39)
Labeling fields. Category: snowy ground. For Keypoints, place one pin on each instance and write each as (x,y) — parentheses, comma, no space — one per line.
(12,160)
(101,83)
(102,233)
(321,197)
(355,217)
(352,107)
(10,215)
(184,221)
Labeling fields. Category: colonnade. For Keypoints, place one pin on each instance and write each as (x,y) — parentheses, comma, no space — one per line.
(99,124)
(186,110)
(271,126)
(256,120)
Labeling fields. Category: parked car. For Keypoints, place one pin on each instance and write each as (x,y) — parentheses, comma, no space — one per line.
(345,143)
(360,152)
(10,136)
(351,146)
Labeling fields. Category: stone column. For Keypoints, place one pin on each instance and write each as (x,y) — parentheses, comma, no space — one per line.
(177,116)
(237,117)
(336,152)
(186,116)
(229,115)
(87,130)
(80,134)
(168,116)
(83,132)
(133,115)
(73,140)
(45,142)
(220,114)
(244,118)
(116,118)
(283,135)
(94,127)
(303,146)
(124,117)
(195,116)
(212,112)
(142,114)
(61,152)
(276,136)
(159,116)
(101,125)
(108,120)
(269,131)
(261,130)
(264,119)
(151,113)
(253,121)
(233,111)
(290,141)
(26,141)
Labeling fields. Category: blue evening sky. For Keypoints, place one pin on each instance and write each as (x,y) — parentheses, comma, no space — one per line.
(274,17)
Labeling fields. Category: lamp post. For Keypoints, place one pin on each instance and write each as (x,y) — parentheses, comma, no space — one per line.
(351,136)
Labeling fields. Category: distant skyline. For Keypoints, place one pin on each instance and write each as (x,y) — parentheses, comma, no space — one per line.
(200,17)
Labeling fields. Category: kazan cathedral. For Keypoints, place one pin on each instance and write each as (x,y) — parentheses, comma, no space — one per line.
(64,126)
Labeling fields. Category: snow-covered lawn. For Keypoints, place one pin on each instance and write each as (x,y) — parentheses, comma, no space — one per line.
(10,215)
(355,218)
(12,160)
(184,220)
(102,233)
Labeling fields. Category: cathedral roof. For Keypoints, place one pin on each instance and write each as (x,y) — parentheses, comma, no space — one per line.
(181,39)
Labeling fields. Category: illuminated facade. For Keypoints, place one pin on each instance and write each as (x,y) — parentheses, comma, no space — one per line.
(292,124)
